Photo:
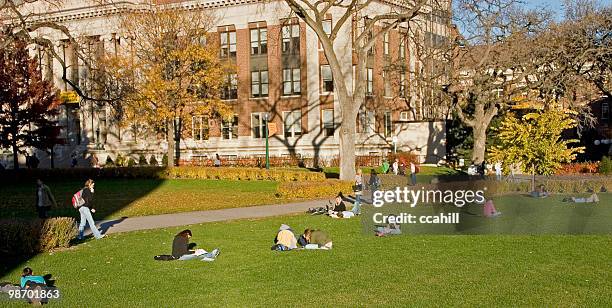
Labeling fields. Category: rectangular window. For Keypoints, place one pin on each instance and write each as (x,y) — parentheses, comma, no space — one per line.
(259,83)
(230,90)
(370,81)
(404,116)
(199,128)
(291,81)
(402,48)
(293,123)
(258,125)
(605,111)
(386,43)
(228,44)
(291,39)
(402,85)
(368,121)
(327,82)
(259,41)
(328,122)
(388,124)
(229,129)
(327,26)
(387,83)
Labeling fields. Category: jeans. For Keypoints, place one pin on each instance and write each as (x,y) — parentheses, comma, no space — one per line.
(357,206)
(413,179)
(87,218)
(209,255)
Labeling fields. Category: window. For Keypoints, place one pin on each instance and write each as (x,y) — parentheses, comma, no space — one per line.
(228,43)
(258,125)
(230,90)
(293,123)
(259,41)
(605,111)
(387,83)
(404,116)
(368,121)
(259,83)
(402,48)
(386,43)
(328,122)
(402,85)
(291,81)
(229,129)
(327,82)
(388,124)
(327,26)
(291,39)
(370,81)
(199,128)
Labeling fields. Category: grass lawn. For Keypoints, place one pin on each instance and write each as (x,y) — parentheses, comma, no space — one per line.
(137,197)
(361,270)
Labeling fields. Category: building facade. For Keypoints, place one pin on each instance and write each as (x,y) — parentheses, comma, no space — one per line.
(281,76)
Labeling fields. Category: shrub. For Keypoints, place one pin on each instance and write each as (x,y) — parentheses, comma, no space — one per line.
(27,237)
(120,161)
(109,162)
(403,157)
(142,160)
(131,162)
(153,161)
(578,168)
(605,166)
(165,160)
(314,189)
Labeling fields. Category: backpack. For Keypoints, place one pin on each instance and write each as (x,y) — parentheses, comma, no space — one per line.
(77,200)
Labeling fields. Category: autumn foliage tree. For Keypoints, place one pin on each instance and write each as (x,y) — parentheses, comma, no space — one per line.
(533,142)
(168,73)
(27,102)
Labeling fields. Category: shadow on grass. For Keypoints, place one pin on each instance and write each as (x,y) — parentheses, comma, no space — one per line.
(18,195)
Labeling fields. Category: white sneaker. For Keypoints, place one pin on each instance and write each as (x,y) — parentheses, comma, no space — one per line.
(207,259)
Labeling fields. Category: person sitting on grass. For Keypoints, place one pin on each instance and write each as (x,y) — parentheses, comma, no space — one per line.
(181,251)
(317,239)
(285,239)
(28,278)
(339,205)
(541,192)
(591,199)
(489,209)
(388,229)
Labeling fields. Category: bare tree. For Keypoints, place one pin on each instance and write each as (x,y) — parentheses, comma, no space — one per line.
(369,25)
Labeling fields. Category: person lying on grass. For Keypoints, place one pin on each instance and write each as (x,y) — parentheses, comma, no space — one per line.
(317,239)
(591,199)
(181,251)
(285,239)
(343,214)
(387,229)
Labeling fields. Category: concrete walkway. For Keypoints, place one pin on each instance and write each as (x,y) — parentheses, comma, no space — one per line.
(188,218)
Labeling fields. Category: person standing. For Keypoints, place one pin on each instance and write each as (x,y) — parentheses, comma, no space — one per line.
(395,166)
(498,170)
(413,179)
(44,199)
(385,167)
(34,161)
(217,161)
(86,209)
(374,181)
(358,192)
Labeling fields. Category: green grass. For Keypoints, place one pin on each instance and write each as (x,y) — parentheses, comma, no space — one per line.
(361,270)
(138,197)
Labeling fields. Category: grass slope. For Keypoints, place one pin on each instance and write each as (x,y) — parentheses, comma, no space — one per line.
(361,270)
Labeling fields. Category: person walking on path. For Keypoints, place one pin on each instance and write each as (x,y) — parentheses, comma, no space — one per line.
(86,209)
(44,199)
(395,166)
(358,192)
(413,179)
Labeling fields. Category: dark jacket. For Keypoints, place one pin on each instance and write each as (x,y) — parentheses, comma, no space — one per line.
(180,246)
(87,196)
(47,197)
(340,207)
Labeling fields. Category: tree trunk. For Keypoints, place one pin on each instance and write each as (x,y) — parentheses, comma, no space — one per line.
(347,140)
(171,145)
(479,132)
(15,156)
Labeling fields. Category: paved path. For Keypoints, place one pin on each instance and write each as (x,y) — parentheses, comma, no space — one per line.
(188,218)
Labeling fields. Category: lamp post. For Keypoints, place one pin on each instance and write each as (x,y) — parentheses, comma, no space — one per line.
(266,116)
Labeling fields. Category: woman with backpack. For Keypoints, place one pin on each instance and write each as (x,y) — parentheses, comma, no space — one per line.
(86,208)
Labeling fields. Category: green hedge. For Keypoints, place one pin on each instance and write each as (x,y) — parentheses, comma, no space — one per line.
(314,189)
(26,237)
(222,173)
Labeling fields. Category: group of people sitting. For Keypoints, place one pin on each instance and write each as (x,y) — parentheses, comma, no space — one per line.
(311,239)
